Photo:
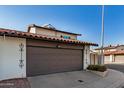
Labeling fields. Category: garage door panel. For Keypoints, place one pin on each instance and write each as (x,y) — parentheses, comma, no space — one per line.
(49,60)
(119,58)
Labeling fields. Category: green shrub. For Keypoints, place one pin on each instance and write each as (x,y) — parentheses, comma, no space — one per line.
(100,68)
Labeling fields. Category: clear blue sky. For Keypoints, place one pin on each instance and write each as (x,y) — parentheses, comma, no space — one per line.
(85,20)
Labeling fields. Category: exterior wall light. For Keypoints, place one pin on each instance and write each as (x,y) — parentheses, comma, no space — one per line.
(58,46)
(21,64)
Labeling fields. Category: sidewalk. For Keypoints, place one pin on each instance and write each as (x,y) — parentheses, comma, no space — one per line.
(114,79)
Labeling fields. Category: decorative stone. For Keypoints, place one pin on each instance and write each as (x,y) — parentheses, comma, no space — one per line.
(102,74)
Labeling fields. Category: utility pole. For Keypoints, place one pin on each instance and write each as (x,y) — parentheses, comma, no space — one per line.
(102,37)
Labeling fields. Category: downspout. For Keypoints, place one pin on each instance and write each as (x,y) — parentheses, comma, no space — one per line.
(83,57)
(4,37)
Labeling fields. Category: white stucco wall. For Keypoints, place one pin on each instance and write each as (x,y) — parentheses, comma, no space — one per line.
(111,58)
(50,32)
(32,30)
(86,56)
(10,56)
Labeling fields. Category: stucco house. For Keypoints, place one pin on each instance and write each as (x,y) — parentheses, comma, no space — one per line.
(113,54)
(41,50)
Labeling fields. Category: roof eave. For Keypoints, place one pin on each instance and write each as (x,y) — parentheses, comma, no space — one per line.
(19,34)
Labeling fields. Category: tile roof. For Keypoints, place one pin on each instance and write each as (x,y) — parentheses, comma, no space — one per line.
(114,52)
(20,34)
(109,47)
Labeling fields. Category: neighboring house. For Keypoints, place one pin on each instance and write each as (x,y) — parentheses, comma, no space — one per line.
(113,53)
(94,57)
(41,50)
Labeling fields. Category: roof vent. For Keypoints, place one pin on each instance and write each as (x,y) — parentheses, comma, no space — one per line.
(110,45)
(48,26)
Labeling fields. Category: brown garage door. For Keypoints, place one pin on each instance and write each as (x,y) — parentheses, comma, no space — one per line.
(51,60)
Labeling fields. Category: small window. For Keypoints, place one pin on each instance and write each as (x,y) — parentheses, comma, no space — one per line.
(65,37)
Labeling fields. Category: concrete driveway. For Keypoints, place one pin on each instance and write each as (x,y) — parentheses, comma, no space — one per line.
(116,66)
(63,80)
(78,79)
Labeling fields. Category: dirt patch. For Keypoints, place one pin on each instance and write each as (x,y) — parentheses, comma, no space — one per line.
(15,83)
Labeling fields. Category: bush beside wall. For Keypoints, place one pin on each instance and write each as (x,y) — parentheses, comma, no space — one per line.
(100,68)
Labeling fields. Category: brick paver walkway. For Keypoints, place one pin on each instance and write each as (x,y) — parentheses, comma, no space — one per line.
(15,83)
